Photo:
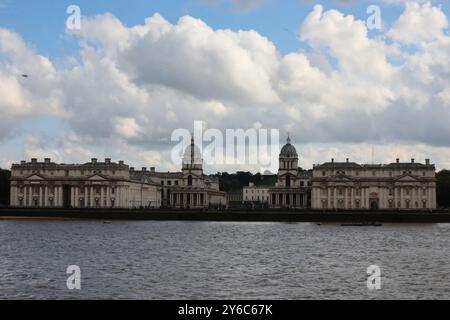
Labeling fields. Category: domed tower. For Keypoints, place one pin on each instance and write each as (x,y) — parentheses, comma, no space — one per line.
(288,165)
(192,168)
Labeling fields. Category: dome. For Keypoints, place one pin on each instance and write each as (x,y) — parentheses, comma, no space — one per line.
(192,154)
(288,151)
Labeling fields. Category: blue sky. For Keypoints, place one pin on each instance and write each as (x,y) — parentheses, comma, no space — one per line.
(315,119)
(42,22)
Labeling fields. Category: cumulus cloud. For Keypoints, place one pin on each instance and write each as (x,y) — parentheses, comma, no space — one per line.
(419,23)
(134,85)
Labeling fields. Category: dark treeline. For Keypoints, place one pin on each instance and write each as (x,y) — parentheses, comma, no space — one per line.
(443,188)
(236,181)
(5,175)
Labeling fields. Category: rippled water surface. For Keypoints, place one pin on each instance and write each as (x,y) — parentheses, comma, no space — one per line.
(204,260)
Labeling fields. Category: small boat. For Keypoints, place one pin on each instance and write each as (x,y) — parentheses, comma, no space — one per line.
(363,224)
(106,222)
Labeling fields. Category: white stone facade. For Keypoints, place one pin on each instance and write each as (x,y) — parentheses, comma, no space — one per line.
(348,185)
(293,184)
(190,188)
(255,194)
(91,185)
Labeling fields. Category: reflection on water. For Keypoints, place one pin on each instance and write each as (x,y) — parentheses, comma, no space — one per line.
(204,260)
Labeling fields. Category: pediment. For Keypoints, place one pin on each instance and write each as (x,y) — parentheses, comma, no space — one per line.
(97,177)
(407,178)
(35,177)
(343,178)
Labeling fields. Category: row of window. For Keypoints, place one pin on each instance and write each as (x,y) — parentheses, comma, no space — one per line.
(408,191)
(51,190)
(169,182)
(67,172)
(374,173)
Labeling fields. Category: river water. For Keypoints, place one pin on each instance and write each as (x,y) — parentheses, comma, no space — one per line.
(206,260)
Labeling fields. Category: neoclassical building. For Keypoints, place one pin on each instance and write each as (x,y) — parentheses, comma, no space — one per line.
(293,186)
(90,185)
(398,185)
(190,188)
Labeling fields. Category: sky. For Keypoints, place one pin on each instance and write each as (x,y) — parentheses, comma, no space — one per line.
(137,70)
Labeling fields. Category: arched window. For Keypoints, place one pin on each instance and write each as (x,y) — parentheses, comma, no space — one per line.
(190,181)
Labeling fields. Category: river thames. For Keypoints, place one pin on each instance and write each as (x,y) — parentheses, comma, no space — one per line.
(206,260)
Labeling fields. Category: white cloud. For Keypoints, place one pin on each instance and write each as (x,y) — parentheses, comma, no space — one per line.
(127,127)
(419,23)
(134,85)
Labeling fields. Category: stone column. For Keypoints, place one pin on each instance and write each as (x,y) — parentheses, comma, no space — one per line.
(108,196)
(46,196)
(85,199)
(76,202)
(335,198)
(117,194)
(101,202)
(12,197)
(352,198)
(345,198)
(402,205)
(72,196)
(432,197)
(91,197)
(40,202)
(30,196)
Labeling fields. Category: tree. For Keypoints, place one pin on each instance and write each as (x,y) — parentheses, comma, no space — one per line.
(443,188)
(5,176)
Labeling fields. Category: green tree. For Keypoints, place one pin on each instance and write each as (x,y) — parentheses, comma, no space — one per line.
(443,188)
(5,176)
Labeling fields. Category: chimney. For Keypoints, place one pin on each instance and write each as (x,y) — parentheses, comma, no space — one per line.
(33,160)
(23,162)
(131,168)
(108,160)
(348,160)
(398,160)
(47,160)
(427,161)
(413,160)
(332,160)
(94,160)
(121,163)
(144,169)
(153,169)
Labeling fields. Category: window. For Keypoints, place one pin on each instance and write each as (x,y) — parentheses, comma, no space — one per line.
(324,173)
(162,182)
(169,183)
(176,182)
(288,181)
(190,181)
